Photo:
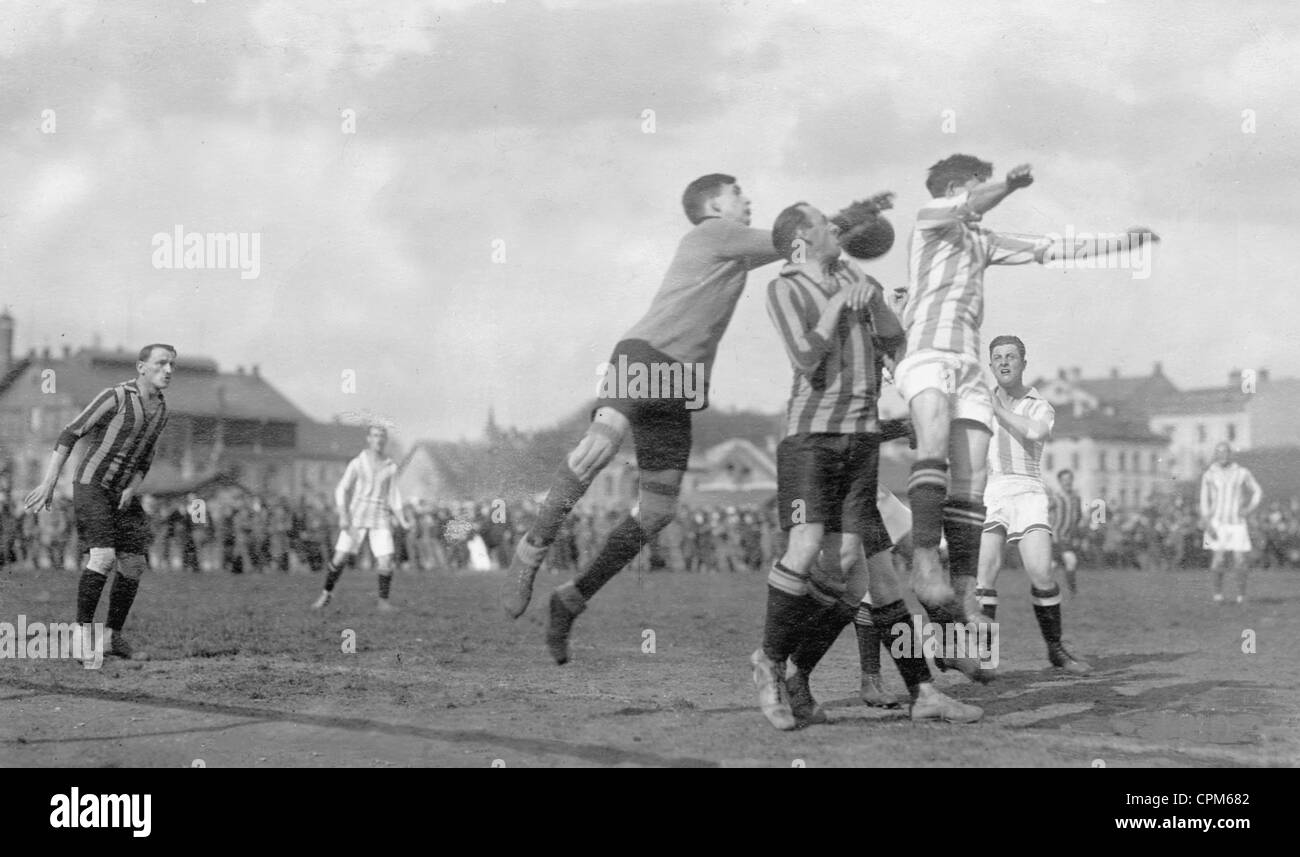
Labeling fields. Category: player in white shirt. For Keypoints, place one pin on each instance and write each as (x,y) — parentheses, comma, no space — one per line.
(1017,499)
(371,478)
(1223,487)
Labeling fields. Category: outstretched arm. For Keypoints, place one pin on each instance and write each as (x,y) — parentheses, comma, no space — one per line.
(984,197)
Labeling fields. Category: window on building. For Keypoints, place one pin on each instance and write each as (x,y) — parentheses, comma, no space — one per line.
(1048,462)
(1101,461)
(1123,498)
(1201,433)
(1122,460)
(1155,463)
(1074,461)
(1232,431)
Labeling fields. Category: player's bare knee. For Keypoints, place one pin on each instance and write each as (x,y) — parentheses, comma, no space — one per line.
(101,560)
(657,504)
(132,565)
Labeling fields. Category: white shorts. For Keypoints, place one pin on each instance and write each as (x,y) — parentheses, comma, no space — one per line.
(381,541)
(897,517)
(959,376)
(1016,509)
(1227,537)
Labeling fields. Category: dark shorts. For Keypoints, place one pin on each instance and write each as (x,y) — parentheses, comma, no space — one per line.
(100,524)
(830,479)
(661,424)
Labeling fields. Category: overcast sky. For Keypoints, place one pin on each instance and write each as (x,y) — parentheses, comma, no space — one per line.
(519,127)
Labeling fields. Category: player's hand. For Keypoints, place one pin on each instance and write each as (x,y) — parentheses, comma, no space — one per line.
(858,295)
(127,496)
(1018,177)
(1138,235)
(40,499)
(882,201)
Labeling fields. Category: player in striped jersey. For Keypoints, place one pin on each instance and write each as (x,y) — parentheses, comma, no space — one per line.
(941,377)
(371,478)
(1224,486)
(122,425)
(1066,510)
(1017,499)
(675,342)
(832,318)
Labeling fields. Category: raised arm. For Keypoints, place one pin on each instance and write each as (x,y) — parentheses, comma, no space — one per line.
(751,246)
(984,197)
(1035,426)
(806,335)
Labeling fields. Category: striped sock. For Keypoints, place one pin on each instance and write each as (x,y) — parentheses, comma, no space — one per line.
(566,491)
(988,601)
(868,639)
(911,665)
(824,629)
(926,489)
(788,609)
(385,582)
(1047,610)
(963,524)
(120,599)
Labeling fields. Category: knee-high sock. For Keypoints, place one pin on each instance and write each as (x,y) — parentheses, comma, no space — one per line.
(906,653)
(824,629)
(868,639)
(89,588)
(788,611)
(1047,610)
(963,524)
(333,573)
(385,584)
(120,599)
(624,543)
(927,488)
(566,490)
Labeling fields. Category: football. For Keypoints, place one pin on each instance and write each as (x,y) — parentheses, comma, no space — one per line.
(870,240)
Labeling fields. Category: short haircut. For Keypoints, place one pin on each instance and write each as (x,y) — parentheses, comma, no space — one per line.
(699,192)
(1006,339)
(147,351)
(787,226)
(956,168)
(1061,474)
(383,428)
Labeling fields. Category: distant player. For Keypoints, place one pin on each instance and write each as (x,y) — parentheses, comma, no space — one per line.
(675,343)
(371,479)
(832,319)
(122,423)
(1224,487)
(1017,499)
(1067,517)
(941,377)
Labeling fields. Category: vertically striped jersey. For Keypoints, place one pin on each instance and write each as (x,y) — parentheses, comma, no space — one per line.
(949,252)
(1223,492)
(122,436)
(373,483)
(1066,514)
(836,380)
(1010,455)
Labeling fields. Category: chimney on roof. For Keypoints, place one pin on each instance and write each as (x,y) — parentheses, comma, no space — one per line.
(1234,378)
(1262,375)
(96,342)
(239,370)
(1114,372)
(67,351)
(257,371)
(1060,373)
(1076,374)
(45,353)
(1157,370)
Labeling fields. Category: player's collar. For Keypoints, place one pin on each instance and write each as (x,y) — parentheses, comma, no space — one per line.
(133,386)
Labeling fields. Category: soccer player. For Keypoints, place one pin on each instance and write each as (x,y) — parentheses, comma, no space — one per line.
(1017,499)
(122,424)
(1223,488)
(1067,516)
(941,379)
(675,343)
(371,478)
(832,318)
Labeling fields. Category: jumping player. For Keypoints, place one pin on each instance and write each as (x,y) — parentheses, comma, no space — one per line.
(941,378)
(1223,488)
(123,423)
(675,344)
(1017,499)
(371,478)
(832,319)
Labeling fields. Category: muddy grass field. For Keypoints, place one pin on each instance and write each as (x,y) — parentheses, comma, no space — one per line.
(241,673)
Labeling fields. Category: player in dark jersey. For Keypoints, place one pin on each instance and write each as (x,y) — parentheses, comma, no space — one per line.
(122,424)
(657,375)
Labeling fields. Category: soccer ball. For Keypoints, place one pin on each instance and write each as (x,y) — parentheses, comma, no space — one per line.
(870,240)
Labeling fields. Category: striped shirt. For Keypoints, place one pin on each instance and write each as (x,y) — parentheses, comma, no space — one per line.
(374,491)
(1223,492)
(1066,514)
(1010,455)
(837,380)
(694,305)
(122,436)
(948,255)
